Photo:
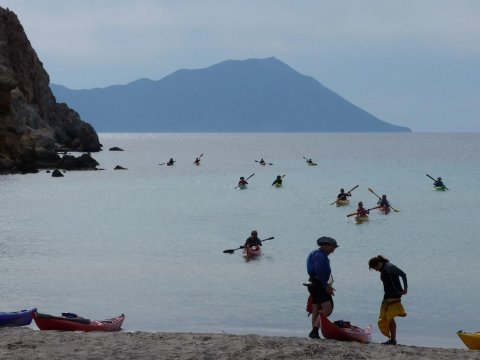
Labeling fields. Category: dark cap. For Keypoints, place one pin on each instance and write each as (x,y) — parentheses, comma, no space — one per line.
(325,240)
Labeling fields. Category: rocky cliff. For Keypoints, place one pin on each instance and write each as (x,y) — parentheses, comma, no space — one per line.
(33,126)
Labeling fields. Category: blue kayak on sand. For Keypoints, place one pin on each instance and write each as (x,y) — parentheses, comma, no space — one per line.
(16,318)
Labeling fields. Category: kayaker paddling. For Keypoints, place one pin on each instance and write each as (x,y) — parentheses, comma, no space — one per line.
(253,240)
(278,181)
(343,195)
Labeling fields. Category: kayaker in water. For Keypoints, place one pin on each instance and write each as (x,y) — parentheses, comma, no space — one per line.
(439,182)
(361,211)
(309,161)
(393,291)
(197,161)
(262,162)
(242,181)
(383,201)
(343,195)
(278,181)
(170,162)
(253,240)
(320,283)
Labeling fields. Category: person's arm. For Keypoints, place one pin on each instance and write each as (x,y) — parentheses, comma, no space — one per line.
(395,270)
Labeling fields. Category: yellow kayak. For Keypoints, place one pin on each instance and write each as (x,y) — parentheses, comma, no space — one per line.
(277,185)
(342,202)
(361,219)
(471,340)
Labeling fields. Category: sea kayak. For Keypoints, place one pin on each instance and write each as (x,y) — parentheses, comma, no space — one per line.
(384,209)
(343,331)
(439,188)
(16,318)
(361,219)
(342,202)
(242,187)
(277,185)
(471,340)
(311,164)
(251,252)
(72,322)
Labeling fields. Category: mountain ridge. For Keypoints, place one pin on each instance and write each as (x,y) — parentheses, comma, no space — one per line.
(253,95)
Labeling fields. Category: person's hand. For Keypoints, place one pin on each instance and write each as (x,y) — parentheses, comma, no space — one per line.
(330,290)
(404,292)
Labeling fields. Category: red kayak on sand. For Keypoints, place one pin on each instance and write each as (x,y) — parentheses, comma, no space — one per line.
(344,331)
(72,322)
(251,252)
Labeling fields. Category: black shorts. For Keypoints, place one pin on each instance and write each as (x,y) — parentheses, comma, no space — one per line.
(319,294)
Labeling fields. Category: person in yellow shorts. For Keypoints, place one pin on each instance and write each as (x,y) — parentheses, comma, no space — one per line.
(393,291)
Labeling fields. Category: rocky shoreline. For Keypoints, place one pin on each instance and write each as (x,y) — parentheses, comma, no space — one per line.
(33,126)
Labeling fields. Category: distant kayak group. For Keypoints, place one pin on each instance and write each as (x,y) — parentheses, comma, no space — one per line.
(320,301)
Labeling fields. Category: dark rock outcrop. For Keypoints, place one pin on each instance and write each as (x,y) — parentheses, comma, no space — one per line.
(33,126)
(115,148)
(118,167)
(57,173)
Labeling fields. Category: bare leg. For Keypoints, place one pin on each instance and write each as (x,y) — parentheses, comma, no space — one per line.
(315,311)
(327,308)
(393,330)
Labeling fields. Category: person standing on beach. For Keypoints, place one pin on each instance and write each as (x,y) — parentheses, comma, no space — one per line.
(393,291)
(320,281)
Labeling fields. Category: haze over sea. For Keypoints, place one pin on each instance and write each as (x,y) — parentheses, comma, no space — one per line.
(149,241)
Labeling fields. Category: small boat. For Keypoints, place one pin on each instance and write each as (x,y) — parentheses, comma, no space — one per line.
(242,186)
(384,209)
(343,331)
(16,318)
(277,185)
(471,340)
(439,188)
(361,219)
(311,164)
(72,322)
(342,202)
(251,252)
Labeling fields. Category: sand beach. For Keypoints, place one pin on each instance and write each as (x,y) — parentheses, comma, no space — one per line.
(26,343)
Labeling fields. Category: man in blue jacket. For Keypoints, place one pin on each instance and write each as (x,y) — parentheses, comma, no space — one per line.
(320,277)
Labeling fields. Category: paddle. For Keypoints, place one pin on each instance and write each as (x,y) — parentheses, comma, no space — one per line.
(348,192)
(356,213)
(162,164)
(197,158)
(231,251)
(263,163)
(245,179)
(391,207)
(276,180)
(436,180)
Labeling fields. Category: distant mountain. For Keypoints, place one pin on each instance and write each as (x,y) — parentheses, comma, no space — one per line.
(256,95)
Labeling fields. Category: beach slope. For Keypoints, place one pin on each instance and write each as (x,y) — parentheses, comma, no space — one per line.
(26,343)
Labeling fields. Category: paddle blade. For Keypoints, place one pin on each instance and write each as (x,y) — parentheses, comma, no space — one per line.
(373,192)
(229,251)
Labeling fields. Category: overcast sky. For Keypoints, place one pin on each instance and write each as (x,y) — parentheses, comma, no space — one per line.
(413,63)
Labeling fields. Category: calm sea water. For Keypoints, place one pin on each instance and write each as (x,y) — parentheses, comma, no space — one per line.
(148,242)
